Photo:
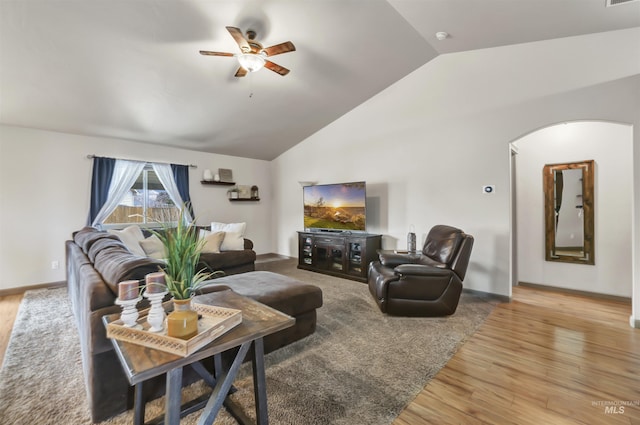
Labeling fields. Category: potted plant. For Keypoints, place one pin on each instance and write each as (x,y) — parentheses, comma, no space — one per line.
(182,278)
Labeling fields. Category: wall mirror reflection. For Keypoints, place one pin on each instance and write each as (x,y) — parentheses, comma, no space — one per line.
(569,224)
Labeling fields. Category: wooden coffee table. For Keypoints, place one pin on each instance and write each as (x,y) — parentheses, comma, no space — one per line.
(142,363)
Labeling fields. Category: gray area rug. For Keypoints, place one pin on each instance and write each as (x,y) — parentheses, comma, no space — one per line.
(359,368)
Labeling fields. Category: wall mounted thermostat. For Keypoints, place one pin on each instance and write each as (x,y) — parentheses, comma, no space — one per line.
(488,189)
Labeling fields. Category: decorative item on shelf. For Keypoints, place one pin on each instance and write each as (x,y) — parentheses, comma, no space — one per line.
(207,175)
(182,247)
(155,290)
(233,193)
(128,297)
(254,192)
(226,175)
(216,177)
(244,192)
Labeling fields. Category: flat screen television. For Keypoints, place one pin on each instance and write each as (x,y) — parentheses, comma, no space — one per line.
(335,207)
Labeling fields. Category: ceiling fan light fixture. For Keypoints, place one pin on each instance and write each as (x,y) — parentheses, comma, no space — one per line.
(252,62)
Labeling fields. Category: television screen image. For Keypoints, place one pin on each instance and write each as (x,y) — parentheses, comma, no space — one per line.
(335,207)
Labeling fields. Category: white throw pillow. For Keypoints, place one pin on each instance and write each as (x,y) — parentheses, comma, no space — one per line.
(233,241)
(212,241)
(153,247)
(229,227)
(131,237)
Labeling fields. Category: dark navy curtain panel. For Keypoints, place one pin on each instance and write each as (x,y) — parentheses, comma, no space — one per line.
(100,182)
(181,177)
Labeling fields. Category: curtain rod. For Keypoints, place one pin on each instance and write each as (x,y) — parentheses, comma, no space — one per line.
(91,156)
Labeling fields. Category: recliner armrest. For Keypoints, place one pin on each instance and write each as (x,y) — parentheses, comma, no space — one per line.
(421,270)
(393,260)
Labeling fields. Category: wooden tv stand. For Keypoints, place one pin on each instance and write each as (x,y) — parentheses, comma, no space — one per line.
(341,254)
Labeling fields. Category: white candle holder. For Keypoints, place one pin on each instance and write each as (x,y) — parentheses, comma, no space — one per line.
(156,314)
(129,315)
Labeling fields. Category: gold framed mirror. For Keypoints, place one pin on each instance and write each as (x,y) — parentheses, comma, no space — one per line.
(568,206)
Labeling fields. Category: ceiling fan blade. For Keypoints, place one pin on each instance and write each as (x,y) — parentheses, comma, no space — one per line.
(276,68)
(207,53)
(236,33)
(285,47)
(241,72)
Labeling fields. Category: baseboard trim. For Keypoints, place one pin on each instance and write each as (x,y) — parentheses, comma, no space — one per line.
(23,289)
(497,297)
(263,258)
(596,295)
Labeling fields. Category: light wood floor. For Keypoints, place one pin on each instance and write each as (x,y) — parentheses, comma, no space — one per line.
(8,310)
(545,358)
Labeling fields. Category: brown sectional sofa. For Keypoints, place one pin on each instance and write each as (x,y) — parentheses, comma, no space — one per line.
(96,261)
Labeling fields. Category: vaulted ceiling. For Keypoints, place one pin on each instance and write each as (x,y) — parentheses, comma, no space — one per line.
(131,69)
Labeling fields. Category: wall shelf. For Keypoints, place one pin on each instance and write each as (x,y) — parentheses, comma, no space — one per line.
(215,183)
(243,199)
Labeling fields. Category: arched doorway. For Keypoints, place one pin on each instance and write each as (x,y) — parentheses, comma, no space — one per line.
(611,146)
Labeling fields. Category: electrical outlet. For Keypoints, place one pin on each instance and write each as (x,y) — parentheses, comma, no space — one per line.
(55,265)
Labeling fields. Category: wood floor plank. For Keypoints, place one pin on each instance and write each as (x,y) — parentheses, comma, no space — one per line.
(545,357)
(8,309)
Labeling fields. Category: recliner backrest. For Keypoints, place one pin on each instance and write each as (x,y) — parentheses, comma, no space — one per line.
(461,260)
(450,246)
(442,243)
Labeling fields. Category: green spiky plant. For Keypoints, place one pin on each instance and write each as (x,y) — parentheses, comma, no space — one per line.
(182,250)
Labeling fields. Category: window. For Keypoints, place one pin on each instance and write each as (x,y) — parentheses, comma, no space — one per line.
(147,202)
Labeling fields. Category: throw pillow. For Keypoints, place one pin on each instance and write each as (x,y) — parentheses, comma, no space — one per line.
(212,241)
(233,241)
(153,247)
(229,227)
(131,237)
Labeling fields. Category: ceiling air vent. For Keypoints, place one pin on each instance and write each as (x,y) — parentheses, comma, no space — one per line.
(610,3)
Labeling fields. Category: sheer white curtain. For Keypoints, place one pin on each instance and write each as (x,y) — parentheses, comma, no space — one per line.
(125,174)
(164,173)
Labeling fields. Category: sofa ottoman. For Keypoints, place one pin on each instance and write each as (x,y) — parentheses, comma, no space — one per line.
(290,296)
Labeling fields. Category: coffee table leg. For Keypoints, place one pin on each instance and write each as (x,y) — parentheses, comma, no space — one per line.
(138,405)
(223,384)
(260,382)
(173,398)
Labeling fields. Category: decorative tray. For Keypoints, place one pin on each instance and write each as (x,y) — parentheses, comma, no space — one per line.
(214,322)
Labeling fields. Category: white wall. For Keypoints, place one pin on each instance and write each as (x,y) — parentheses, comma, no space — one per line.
(45,189)
(427,144)
(610,146)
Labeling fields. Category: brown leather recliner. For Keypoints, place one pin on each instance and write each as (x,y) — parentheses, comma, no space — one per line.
(427,283)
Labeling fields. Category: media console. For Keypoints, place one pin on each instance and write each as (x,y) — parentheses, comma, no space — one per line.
(342,254)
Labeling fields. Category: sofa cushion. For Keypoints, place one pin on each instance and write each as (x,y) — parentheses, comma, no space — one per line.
(212,241)
(227,259)
(116,264)
(233,241)
(229,227)
(87,236)
(153,247)
(104,243)
(131,236)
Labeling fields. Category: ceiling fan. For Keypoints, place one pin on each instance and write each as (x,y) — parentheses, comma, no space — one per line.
(253,56)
